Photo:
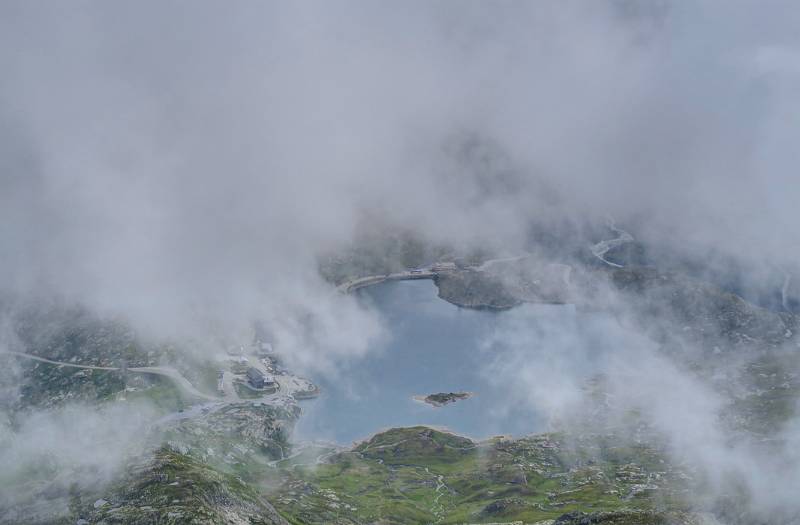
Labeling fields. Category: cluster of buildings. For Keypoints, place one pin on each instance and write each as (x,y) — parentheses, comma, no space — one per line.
(259,376)
(256,378)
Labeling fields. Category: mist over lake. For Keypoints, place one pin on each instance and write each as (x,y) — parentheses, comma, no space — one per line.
(435,346)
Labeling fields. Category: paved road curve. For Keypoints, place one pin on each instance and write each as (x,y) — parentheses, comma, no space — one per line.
(171,373)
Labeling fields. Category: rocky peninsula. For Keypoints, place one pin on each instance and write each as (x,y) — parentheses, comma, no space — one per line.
(504,284)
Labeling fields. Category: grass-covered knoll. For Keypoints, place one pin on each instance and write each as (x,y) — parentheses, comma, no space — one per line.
(416,445)
(421,475)
(173,488)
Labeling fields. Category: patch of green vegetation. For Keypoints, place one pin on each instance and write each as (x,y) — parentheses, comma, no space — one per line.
(419,475)
(200,372)
(161,392)
(207,378)
(416,445)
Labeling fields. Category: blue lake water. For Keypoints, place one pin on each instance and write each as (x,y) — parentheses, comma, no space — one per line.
(435,346)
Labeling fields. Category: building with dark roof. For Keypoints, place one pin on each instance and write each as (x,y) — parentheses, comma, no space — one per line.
(258,379)
(255,377)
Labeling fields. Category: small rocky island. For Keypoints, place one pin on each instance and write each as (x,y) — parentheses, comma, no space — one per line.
(441,399)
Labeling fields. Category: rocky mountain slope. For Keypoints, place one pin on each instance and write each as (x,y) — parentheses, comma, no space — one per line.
(235,462)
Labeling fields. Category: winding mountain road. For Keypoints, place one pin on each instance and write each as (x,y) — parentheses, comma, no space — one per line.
(171,373)
(600,249)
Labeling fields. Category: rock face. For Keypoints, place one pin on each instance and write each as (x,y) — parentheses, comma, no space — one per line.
(199,474)
(611,518)
(505,507)
(173,489)
(702,308)
(234,434)
(210,465)
(73,334)
(633,517)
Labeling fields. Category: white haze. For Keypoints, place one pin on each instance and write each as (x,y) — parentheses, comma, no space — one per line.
(182,163)
(76,446)
(550,370)
(185,164)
